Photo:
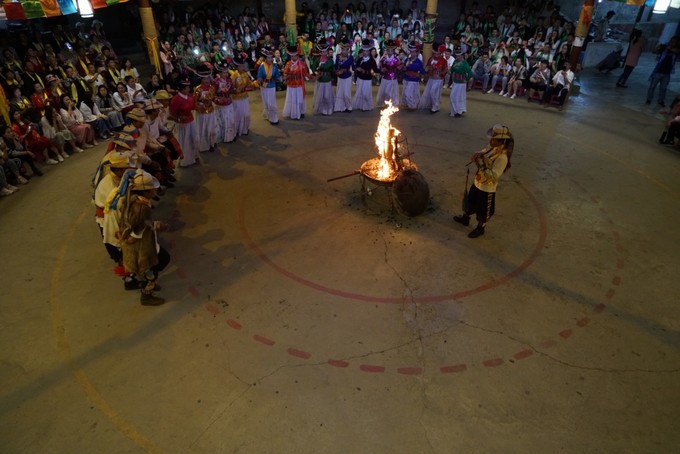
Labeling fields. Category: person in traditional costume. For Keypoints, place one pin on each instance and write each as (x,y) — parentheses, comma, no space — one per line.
(206,117)
(344,66)
(142,255)
(324,100)
(155,149)
(461,73)
(491,162)
(267,77)
(225,105)
(106,180)
(436,70)
(365,68)
(294,74)
(181,110)
(413,72)
(242,84)
(389,68)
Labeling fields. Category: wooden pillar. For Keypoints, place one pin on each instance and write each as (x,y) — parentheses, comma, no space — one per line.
(291,22)
(584,21)
(429,28)
(150,35)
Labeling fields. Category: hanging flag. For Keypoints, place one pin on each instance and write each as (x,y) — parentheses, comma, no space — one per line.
(14,10)
(112,2)
(51,8)
(98,4)
(32,9)
(674,3)
(67,7)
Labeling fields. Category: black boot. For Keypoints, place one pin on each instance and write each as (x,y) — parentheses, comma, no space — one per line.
(478,231)
(670,139)
(131,283)
(462,219)
(662,139)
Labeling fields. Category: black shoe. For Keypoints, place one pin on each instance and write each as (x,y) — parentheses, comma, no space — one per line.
(157,199)
(662,104)
(479,231)
(149,299)
(302,115)
(132,283)
(274,123)
(38,172)
(457,115)
(662,139)
(648,102)
(171,178)
(462,219)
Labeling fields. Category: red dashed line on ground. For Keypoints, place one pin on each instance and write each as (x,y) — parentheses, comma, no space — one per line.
(451,369)
(523,354)
(234,324)
(371,368)
(338,363)
(583,322)
(410,370)
(493,362)
(263,340)
(566,333)
(298,353)
(455,369)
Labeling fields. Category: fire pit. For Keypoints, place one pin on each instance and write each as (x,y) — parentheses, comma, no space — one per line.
(370,169)
(392,170)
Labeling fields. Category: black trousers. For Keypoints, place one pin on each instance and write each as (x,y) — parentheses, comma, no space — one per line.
(627,70)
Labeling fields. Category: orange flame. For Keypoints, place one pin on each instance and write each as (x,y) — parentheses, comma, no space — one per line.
(386,141)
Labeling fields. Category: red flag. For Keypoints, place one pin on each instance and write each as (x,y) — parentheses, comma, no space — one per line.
(14,11)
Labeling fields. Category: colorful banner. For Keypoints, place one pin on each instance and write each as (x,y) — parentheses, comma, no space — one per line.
(32,9)
(112,2)
(14,10)
(67,7)
(98,4)
(51,8)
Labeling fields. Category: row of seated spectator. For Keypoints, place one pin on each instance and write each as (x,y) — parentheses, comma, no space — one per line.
(56,107)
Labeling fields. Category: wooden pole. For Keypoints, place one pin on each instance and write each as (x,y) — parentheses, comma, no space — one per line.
(291,22)
(430,21)
(584,21)
(150,35)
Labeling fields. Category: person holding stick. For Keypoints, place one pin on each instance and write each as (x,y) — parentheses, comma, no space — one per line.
(491,162)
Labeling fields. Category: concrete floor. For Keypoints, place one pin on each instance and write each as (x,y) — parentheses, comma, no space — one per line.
(301,320)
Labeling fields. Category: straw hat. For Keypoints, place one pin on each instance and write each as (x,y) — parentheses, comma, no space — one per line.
(162,95)
(143,181)
(137,114)
(499,131)
(152,104)
(120,159)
